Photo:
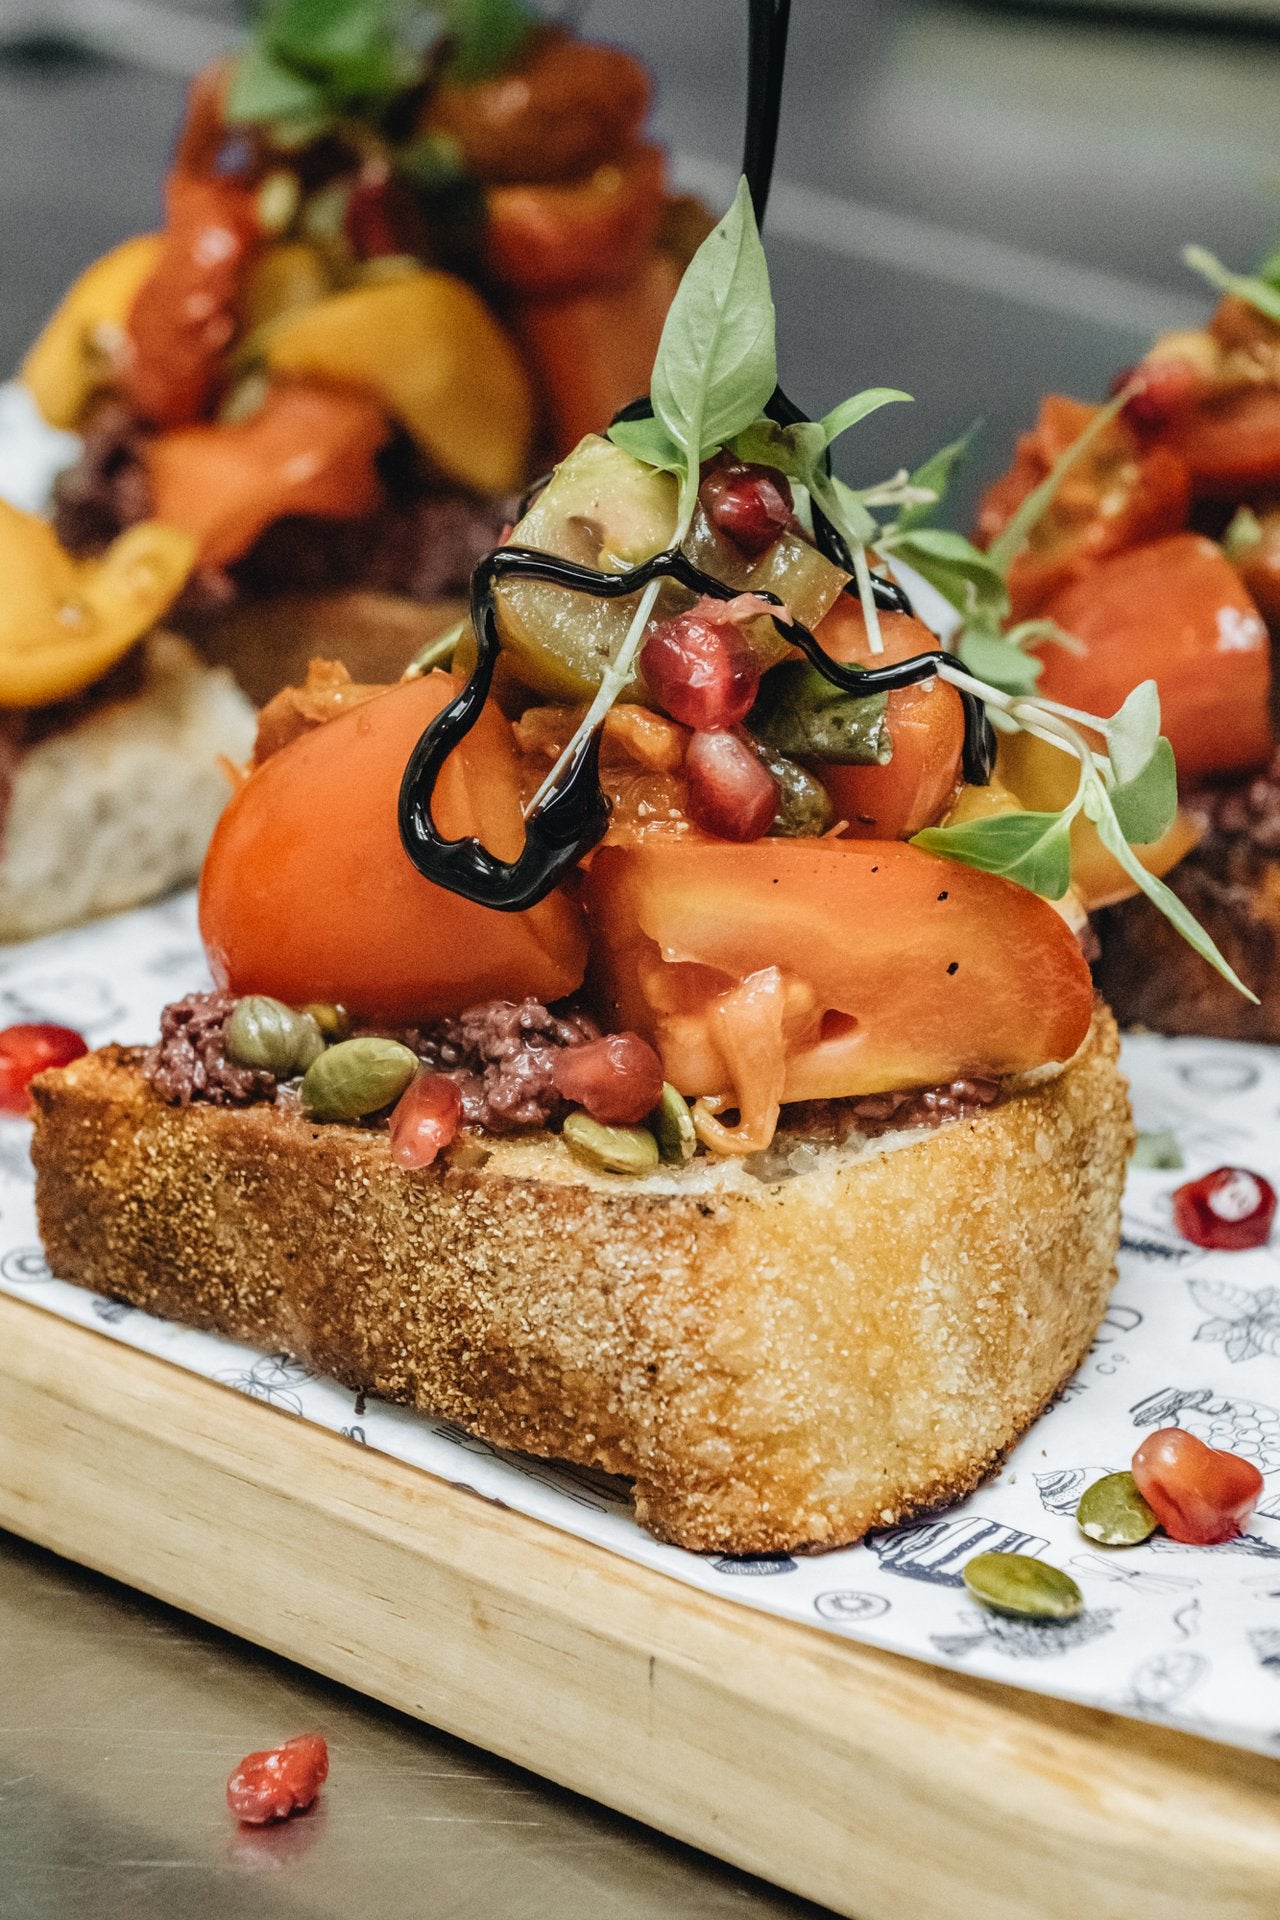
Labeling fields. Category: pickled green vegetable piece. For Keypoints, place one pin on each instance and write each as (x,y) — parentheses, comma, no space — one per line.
(602,509)
(1114,1513)
(804,805)
(801,714)
(1023,1588)
(607,510)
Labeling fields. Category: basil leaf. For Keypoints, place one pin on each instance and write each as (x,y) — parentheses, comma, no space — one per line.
(796,451)
(801,714)
(264,89)
(934,474)
(1146,805)
(1260,293)
(856,408)
(716,366)
(1098,808)
(962,574)
(487,35)
(1133,732)
(989,656)
(648,440)
(1032,848)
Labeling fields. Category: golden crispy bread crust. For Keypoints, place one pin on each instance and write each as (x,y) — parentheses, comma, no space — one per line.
(776,1364)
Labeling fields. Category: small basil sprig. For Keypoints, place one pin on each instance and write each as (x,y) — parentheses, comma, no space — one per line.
(1260,289)
(311,63)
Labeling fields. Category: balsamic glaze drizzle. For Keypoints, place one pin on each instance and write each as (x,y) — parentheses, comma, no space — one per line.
(574,814)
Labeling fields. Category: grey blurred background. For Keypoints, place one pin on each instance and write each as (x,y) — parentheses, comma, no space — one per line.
(975,203)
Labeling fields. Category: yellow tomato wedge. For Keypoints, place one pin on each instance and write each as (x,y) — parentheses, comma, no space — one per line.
(64,622)
(1041,778)
(428,347)
(73,358)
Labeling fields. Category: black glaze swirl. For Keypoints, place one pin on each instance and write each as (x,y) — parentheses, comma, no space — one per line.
(574,815)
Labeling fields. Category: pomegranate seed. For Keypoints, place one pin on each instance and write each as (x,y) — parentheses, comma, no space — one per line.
(618,1079)
(26,1051)
(380,218)
(1198,1494)
(750,505)
(1229,1208)
(279,1781)
(425,1119)
(730,793)
(700,670)
(1162,388)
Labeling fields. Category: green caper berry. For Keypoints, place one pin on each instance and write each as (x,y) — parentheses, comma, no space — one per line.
(333,1022)
(610,1149)
(356,1078)
(265,1034)
(311,1042)
(672,1123)
(804,805)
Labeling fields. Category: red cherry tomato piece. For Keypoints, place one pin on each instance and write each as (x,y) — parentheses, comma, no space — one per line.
(26,1051)
(1121,490)
(1229,1208)
(1174,611)
(1199,1495)
(750,505)
(425,1120)
(1160,389)
(566,236)
(618,1079)
(278,1781)
(701,671)
(730,793)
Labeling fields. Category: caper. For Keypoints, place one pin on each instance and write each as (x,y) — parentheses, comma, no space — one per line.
(1023,1588)
(673,1125)
(1114,1513)
(357,1077)
(333,1022)
(265,1034)
(610,1149)
(804,805)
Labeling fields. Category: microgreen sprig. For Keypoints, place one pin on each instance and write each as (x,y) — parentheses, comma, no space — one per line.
(1260,289)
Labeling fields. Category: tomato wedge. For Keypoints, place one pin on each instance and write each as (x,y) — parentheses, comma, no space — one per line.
(926,725)
(569,235)
(1118,492)
(307,450)
(1231,445)
(1177,612)
(308,895)
(811,969)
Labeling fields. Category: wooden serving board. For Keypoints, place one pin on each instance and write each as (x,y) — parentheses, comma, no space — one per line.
(880,1787)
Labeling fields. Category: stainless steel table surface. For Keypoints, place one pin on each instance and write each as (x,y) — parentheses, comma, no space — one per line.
(973,204)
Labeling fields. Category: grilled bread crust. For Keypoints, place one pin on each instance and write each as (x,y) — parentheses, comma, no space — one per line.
(777,1364)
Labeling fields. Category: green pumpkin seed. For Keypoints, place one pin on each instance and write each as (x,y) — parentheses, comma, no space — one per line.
(673,1124)
(610,1149)
(265,1034)
(333,1022)
(357,1077)
(1157,1150)
(1023,1588)
(1114,1513)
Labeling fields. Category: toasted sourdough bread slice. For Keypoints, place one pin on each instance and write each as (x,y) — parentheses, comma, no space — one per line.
(118,807)
(776,1364)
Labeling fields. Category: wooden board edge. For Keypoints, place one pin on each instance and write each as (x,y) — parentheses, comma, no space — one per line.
(877,1786)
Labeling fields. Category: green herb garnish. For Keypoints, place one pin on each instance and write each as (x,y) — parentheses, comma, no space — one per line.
(311,64)
(1261,289)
